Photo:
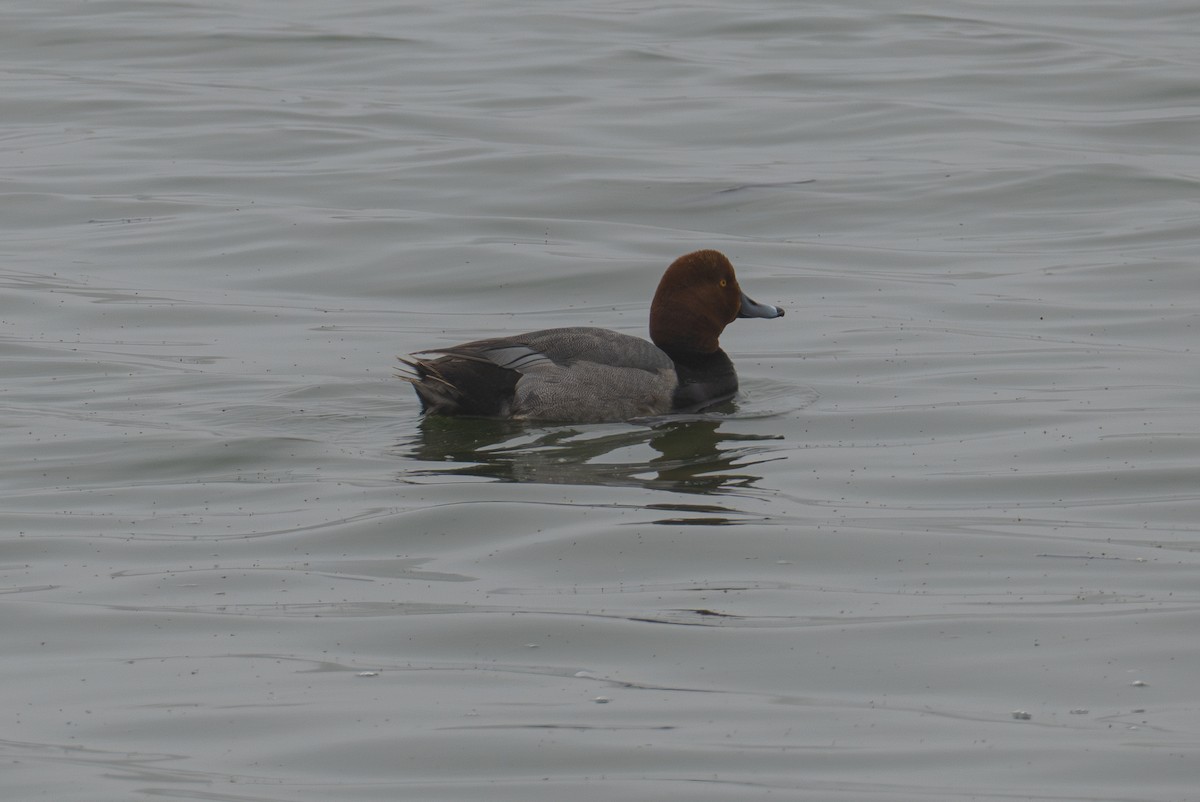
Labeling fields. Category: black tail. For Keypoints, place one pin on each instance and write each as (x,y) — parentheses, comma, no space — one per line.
(452,385)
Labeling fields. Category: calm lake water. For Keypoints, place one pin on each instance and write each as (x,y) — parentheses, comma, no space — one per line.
(946,544)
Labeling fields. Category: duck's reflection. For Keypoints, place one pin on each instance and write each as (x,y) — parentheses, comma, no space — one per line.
(691,455)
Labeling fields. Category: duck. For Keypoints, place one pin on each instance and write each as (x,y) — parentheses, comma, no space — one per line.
(583,374)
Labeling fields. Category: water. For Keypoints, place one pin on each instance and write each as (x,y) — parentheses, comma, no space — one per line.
(945,545)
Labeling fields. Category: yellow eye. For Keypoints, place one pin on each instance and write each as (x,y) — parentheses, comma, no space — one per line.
(723,282)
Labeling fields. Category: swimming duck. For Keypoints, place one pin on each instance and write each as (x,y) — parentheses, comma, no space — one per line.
(583,374)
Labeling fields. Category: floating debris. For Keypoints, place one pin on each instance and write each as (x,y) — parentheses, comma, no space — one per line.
(1021,715)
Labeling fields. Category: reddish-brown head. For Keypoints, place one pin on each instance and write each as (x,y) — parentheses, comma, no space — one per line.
(696,299)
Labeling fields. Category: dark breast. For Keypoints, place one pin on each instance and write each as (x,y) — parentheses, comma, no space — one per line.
(704,380)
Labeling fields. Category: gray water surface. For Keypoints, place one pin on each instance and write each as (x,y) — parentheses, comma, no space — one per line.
(945,545)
